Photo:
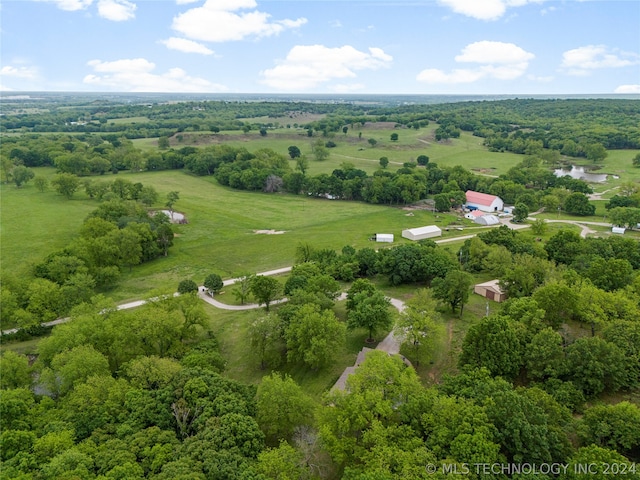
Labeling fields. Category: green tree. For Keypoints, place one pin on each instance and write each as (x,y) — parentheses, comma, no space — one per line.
(422,160)
(578,204)
(294,152)
(394,137)
(370,310)
(66,184)
(373,142)
(319,150)
(281,406)
(442,202)
(636,160)
(314,337)
(187,286)
(22,175)
(172,198)
(544,355)
(213,283)
(418,325)
(242,292)
(612,426)
(302,164)
(75,366)
(41,183)
(595,152)
(520,213)
(283,463)
(15,371)
(453,289)
(539,226)
(493,343)
(163,142)
(595,365)
(265,289)
(384,161)
(266,337)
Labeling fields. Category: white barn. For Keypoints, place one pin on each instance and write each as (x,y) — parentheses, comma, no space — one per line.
(618,230)
(421,233)
(483,201)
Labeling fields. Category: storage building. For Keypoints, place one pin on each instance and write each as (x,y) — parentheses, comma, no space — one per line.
(421,233)
(487,220)
(618,230)
(490,290)
(483,201)
(384,237)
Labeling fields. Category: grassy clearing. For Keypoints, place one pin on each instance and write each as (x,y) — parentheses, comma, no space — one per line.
(35,223)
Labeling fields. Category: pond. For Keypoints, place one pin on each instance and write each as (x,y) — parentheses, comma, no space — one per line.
(176,217)
(580,173)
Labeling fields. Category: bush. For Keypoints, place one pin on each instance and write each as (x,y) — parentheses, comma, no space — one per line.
(187,286)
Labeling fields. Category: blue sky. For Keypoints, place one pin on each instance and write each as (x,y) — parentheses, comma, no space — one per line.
(326,46)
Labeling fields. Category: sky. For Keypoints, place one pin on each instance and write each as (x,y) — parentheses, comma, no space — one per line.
(466,47)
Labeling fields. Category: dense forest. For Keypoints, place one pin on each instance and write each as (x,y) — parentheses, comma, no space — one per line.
(547,383)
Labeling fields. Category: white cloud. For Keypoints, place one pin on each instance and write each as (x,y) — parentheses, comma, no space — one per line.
(187,46)
(136,75)
(184,2)
(582,61)
(497,60)
(307,66)
(71,5)
(627,89)
(19,72)
(493,53)
(217,21)
(116,10)
(484,9)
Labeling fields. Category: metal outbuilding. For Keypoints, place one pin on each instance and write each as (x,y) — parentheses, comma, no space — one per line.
(421,233)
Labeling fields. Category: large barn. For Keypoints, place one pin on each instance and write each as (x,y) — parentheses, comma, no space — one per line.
(483,201)
(421,233)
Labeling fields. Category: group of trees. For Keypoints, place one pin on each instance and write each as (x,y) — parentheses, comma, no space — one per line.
(119,234)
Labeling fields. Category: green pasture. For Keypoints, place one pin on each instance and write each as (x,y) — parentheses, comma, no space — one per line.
(34,224)
(467,150)
(219,237)
(119,121)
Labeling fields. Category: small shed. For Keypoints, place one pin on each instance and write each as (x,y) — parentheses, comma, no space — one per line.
(490,290)
(421,233)
(473,214)
(384,237)
(487,220)
(618,230)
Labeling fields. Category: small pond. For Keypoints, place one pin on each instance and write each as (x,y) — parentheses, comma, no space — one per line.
(176,217)
(580,173)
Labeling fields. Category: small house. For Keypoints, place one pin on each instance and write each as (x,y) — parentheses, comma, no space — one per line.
(473,214)
(618,230)
(384,237)
(490,290)
(422,233)
(483,201)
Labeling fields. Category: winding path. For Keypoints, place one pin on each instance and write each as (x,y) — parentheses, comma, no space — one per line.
(389,344)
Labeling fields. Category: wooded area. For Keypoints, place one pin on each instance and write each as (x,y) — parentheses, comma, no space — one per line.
(551,376)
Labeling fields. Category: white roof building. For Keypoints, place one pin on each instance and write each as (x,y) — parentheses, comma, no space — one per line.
(421,233)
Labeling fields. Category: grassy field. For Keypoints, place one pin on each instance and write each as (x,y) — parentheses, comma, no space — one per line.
(221,234)
(467,150)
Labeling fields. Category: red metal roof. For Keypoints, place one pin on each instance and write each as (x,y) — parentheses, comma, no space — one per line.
(479,198)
